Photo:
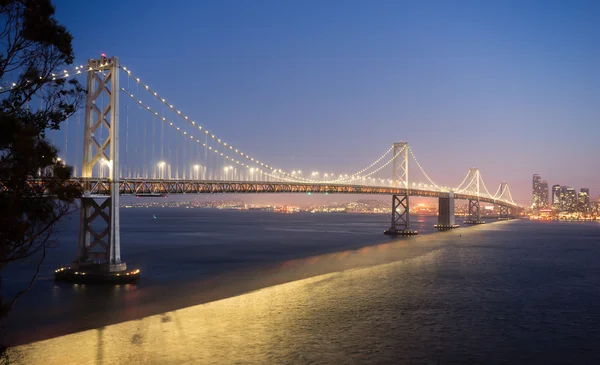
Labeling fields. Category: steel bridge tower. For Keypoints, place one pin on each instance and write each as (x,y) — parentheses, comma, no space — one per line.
(99,245)
(400,208)
(474,207)
(504,209)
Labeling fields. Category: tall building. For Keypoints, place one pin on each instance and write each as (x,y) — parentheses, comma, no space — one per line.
(537,180)
(556,197)
(584,200)
(569,199)
(544,195)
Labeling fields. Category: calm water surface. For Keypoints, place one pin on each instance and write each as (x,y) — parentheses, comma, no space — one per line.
(261,288)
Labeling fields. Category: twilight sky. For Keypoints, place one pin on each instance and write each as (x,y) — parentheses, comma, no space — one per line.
(511,87)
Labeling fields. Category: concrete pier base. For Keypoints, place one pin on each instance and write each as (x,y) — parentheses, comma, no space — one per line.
(400,232)
(445,227)
(102,273)
(446,218)
(473,222)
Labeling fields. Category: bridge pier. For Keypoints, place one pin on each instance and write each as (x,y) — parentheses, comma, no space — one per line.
(99,244)
(474,213)
(400,217)
(504,212)
(446,218)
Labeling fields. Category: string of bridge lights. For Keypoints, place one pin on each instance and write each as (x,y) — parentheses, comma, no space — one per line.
(421,168)
(191,137)
(240,153)
(286,176)
(210,148)
(457,189)
(509,194)
(352,177)
(214,150)
(357,174)
(483,183)
(506,190)
(470,182)
(204,130)
(170,124)
(53,76)
(497,196)
(382,166)
(498,191)
(473,178)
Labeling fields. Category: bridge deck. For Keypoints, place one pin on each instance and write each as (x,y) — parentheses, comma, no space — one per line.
(158,187)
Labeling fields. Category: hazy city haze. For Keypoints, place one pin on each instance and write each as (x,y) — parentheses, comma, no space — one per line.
(510,87)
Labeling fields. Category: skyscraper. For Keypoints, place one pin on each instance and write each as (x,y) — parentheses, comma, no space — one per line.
(556,197)
(544,195)
(569,199)
(584,200)
(537,180)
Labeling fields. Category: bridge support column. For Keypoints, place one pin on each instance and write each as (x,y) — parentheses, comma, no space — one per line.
(474,213)
(99,245)
(97,242)
(446,218)
(504,212)
(400,217)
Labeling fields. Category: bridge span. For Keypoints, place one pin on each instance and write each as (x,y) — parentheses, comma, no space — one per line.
(165,148)
(161,187)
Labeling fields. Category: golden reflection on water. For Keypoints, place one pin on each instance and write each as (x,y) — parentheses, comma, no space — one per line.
(303,321)
(241,329)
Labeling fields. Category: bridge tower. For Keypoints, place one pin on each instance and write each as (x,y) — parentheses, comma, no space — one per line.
(99,246)
(504,209)
(400,225)
(474,210)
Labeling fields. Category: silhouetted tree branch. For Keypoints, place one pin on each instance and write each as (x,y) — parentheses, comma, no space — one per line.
(34,189)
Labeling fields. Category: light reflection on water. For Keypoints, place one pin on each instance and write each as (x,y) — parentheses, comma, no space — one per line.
(511,292)
(268,326)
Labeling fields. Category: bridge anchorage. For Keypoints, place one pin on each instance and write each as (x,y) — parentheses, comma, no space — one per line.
(99,245)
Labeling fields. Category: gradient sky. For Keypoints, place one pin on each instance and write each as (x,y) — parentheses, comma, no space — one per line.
(510,87)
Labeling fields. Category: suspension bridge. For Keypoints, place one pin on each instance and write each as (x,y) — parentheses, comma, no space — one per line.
(135,142)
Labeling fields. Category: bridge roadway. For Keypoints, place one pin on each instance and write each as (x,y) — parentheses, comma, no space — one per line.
(159,187)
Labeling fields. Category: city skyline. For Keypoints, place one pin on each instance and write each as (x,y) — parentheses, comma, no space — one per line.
(497,78)
(560,197)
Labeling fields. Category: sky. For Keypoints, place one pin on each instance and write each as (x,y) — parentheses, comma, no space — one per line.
(509,87)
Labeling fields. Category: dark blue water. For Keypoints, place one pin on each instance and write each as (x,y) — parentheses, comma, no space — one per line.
(502,293)
(180,247)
